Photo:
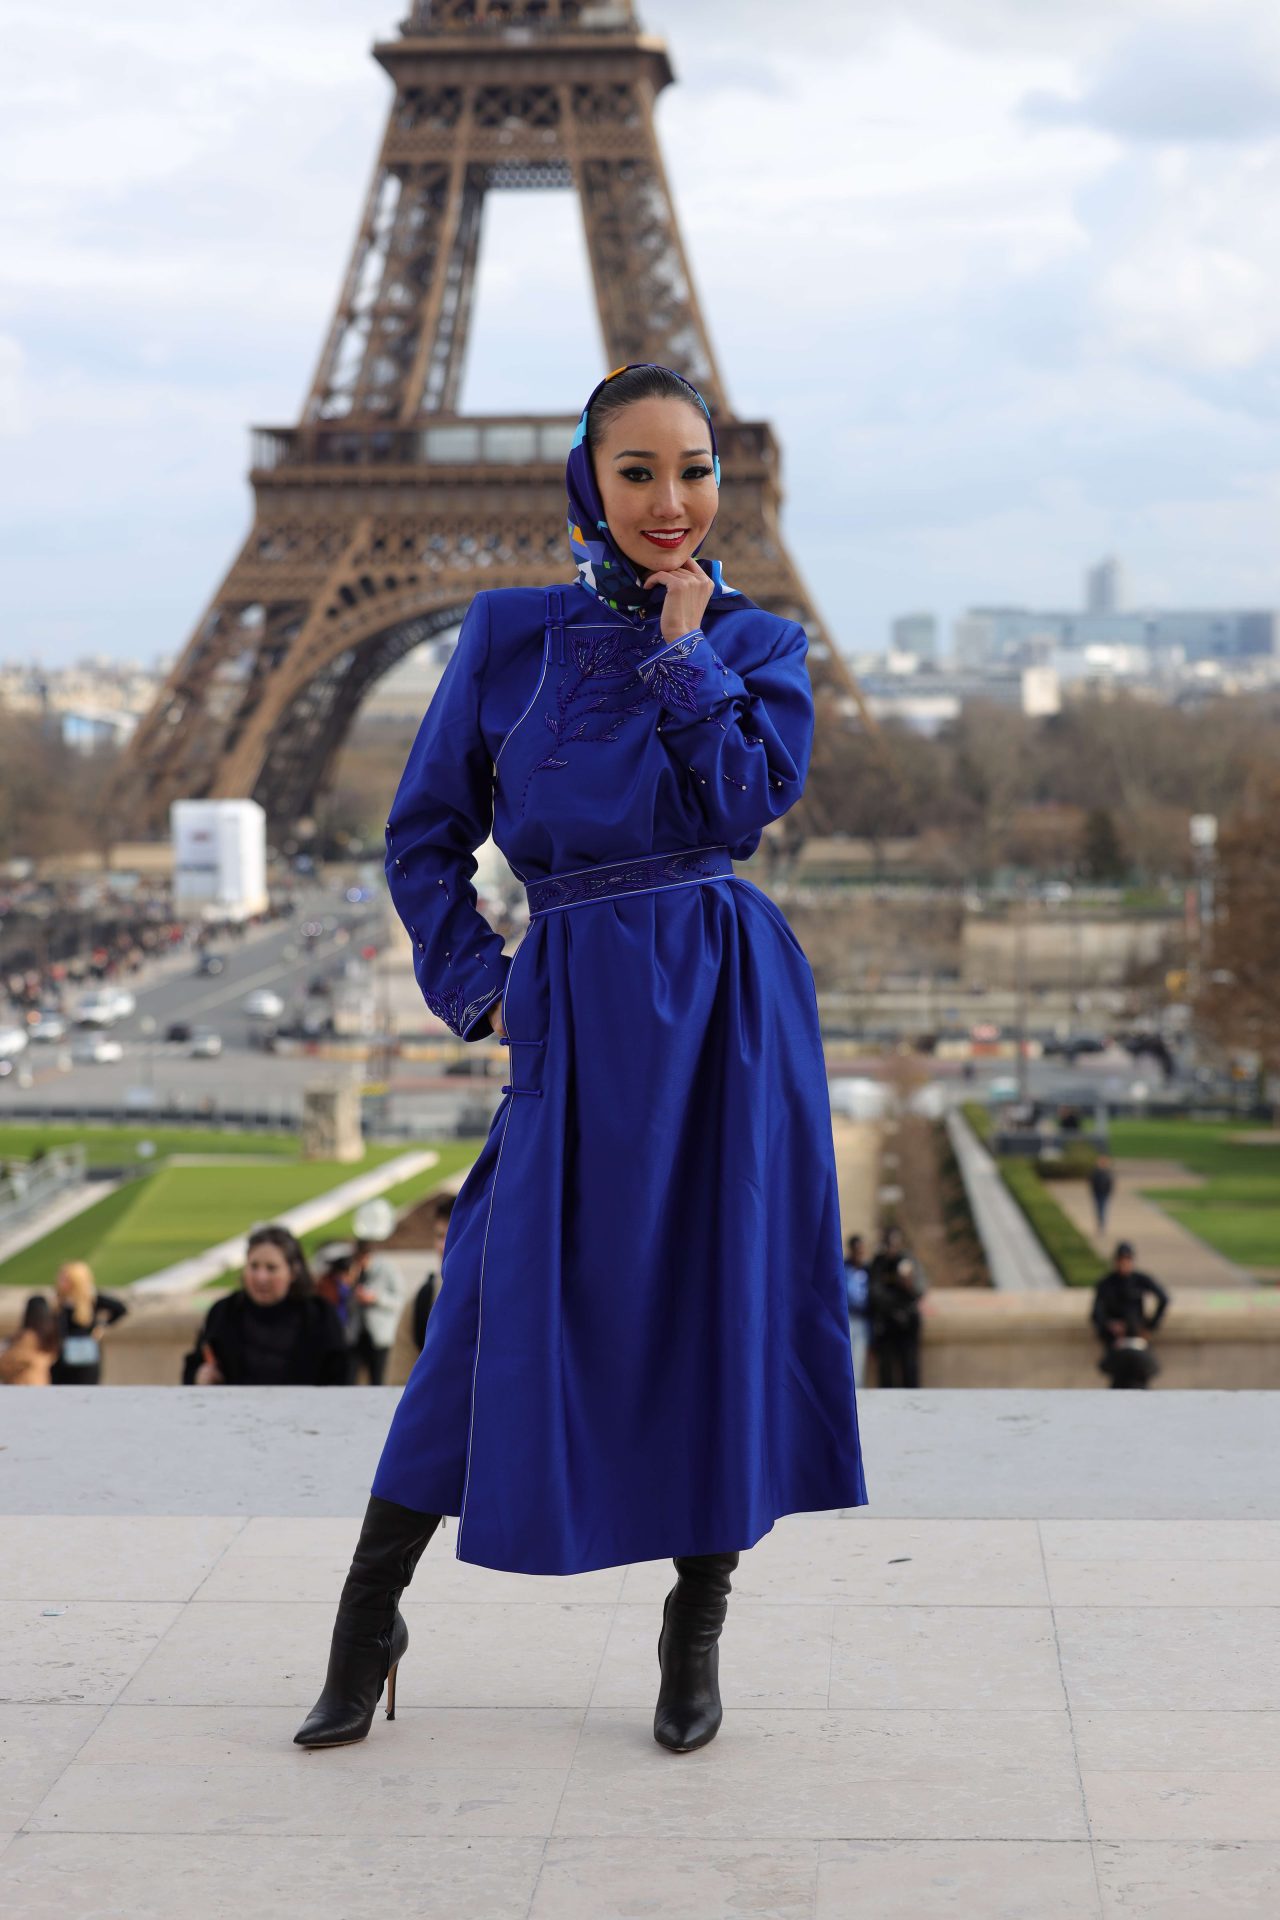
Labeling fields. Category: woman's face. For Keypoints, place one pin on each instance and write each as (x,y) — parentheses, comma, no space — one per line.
(657,482)
(266,1274)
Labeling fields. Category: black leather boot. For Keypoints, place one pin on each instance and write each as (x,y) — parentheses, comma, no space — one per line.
(689,1713)
(369,1634)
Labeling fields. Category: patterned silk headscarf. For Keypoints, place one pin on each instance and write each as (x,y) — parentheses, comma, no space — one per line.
(603,568)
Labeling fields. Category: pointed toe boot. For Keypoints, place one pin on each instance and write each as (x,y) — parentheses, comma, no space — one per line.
(689,1712)
(369,1635)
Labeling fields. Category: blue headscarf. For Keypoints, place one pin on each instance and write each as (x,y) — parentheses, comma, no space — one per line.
(603,569)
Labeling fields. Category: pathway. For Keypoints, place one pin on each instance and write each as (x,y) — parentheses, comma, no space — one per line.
(1164,1247)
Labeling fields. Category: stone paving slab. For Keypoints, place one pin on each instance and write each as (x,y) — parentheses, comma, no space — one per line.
(1040,1715)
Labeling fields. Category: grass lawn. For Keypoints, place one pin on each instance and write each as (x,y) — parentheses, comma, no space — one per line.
(454,1154)
(118,1146)
(178,1211)
(1237,1211)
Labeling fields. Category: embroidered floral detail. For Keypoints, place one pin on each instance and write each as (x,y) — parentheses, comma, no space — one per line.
(669,680)
(450,1008)
(656,870)
(585,710)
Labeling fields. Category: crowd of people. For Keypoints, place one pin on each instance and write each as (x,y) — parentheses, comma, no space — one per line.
(329,1321)
(332,1321)
(884,1295)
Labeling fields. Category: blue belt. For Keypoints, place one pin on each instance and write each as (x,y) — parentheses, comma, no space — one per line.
(627,876)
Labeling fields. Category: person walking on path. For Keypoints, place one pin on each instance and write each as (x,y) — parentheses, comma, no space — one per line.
(1102,1182)
(1119,1318)
(83,1313)
(640,1348)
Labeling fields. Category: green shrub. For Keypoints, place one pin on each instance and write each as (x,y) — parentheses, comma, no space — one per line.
(1065,1245)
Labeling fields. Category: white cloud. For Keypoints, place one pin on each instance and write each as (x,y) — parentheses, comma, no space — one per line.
(995,338)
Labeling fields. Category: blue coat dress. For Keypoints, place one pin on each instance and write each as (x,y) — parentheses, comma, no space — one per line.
(640,1348)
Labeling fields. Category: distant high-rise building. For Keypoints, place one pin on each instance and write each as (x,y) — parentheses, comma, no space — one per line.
(915,633)
(1104,587)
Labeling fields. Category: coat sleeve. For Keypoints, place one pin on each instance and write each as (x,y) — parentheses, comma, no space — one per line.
(741,743)
(443,811)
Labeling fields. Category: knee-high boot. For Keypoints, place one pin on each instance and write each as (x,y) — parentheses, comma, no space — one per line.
(689,1712)
(369,1634)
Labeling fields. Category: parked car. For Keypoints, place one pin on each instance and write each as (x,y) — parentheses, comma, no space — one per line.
(262,1004)
(205,1044)
(48,1027)
(210,963)
(96,1050)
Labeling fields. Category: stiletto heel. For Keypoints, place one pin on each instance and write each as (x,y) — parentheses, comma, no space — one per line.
(369,1635)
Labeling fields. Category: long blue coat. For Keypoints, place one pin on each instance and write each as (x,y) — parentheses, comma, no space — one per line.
(641,1344)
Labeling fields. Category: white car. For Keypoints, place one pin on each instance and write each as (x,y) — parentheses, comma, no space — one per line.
(13,1041)
(264,1005)
(204,1045)
(49,1027)
(96,1050)
(97,1009)
(126,1004)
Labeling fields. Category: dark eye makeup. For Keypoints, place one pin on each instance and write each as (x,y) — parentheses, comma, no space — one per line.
(640,474)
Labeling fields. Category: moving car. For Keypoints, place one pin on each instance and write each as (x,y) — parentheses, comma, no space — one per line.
(48,1027)
(262,1004)
(98,1008)
(178,1033)
(96,1050)
(205,1044)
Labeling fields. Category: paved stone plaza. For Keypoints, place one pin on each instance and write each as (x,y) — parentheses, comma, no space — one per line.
(1038,1677)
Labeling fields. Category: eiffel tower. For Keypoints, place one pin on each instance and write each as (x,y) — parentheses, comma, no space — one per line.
(381,514)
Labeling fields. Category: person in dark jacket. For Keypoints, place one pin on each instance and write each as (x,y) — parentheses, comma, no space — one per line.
(82,1311)
(894,1287)
(1119,1318)
(429,1291)
(1102,1184)
(275,1331)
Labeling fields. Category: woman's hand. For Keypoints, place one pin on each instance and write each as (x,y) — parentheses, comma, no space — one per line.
(689,588)
(495,1018)
(208,1373)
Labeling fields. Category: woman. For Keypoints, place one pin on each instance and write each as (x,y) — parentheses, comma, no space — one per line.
(641,1344)
(275,1331)
(27,1360)
(82,1310)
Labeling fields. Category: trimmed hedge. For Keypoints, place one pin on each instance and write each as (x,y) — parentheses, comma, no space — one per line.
(1065,1245)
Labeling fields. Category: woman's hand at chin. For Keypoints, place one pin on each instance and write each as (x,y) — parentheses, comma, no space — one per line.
(689,588)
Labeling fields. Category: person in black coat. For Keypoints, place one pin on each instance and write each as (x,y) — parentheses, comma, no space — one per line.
(1119,1318)
(894,1287)
(429,1291)
(276,1331)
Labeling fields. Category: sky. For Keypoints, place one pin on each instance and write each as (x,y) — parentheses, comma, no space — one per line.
(1003,274)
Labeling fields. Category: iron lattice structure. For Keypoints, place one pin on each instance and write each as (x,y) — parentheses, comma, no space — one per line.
(381,514)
